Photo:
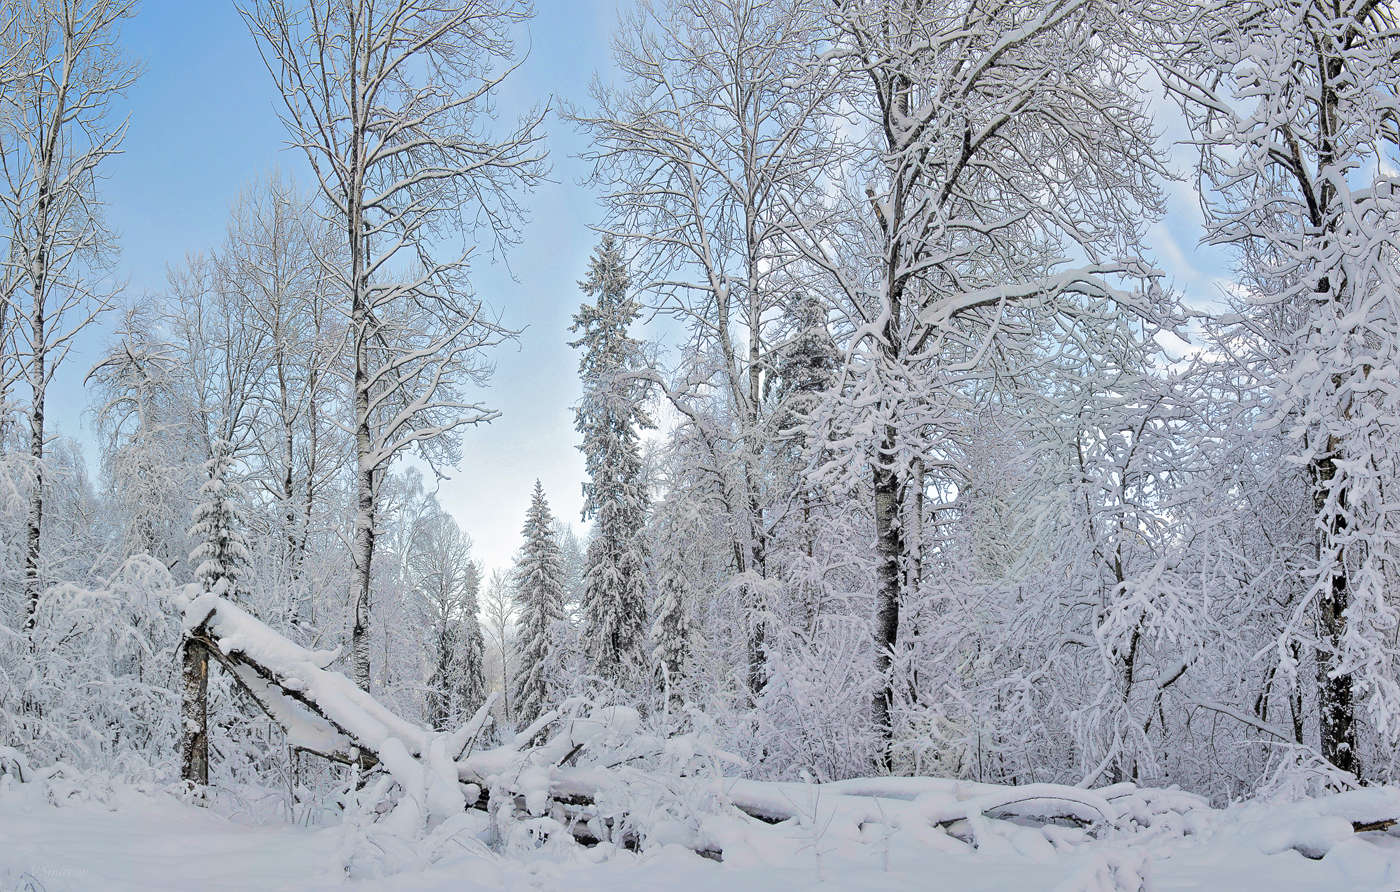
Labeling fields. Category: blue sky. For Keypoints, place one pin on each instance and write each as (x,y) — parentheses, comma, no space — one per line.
(204,126)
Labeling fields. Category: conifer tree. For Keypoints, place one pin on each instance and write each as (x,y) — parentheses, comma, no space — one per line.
(539,598)
(447,582)
(219,557)
(220,553)
(671,626)
(610,416)
(471,675)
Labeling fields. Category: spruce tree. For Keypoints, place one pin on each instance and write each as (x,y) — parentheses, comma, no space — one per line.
(671,626)
(471,669)
(539,598)
(448,581)
(220,553)
(219,557)
(610,416)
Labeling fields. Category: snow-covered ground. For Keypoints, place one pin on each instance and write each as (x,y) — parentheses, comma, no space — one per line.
(440,813)
(151,840)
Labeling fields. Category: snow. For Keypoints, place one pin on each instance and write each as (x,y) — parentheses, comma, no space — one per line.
(151,840)
(336,696)
(594,770)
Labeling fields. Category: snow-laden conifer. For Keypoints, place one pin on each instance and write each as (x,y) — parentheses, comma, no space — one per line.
(220,553)
(539,600)
(670,631)
(610,416)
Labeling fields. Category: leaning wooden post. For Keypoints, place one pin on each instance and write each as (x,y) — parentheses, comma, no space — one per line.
(194,716)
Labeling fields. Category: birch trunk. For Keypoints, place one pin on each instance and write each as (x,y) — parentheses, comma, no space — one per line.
(194,716)
(38,363)
(889,547)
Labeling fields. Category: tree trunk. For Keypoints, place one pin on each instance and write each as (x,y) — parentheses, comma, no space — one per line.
(758,626)
(38,387)
(1336,715)
(309,502)
(194,716)
(360,323)
(364,524)
(1336,712)
(289,508)
(758,546)
(889,548)
(32,582)
(6,359)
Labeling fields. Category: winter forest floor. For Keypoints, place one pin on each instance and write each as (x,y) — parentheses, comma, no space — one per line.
(151,840)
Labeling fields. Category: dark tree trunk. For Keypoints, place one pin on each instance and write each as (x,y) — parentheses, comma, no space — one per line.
(889,549)
(1336,712)
(194,716)
(38,383)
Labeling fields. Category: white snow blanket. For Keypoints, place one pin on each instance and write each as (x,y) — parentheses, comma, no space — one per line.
(53,839)
(654,812)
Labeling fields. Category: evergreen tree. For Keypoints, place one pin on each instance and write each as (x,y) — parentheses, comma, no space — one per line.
(539,598)
(447,583)
(671,626)
(805,367)
(220,554)
(471,675)
(609,417)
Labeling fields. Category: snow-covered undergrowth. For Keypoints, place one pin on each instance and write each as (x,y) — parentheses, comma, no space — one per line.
(593,795)
(597,785)
(60,830)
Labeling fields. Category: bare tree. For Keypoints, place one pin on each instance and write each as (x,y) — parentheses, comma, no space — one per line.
(446,581)
(719,135)
(271,265)
(999,138)
(500,619)
(1292,105)
(14,45)
(151,448)
(54,134)
(390,101)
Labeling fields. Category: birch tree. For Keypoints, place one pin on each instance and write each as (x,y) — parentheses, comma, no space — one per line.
(500,618)
(272,266)
(13,46)
(390,100)
(56,133)
(151,452)
(446,581)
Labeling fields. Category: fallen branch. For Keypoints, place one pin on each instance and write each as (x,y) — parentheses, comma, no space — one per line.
(538,773)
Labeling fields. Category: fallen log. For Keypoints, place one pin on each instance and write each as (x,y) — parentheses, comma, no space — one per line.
(563,773)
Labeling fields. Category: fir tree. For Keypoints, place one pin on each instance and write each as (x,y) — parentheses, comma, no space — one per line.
(472,670)
(671,627)
(539,598)
(448,582)
(220,553)
(805,367)
(610,416)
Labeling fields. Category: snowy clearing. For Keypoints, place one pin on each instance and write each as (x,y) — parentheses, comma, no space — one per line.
(941,518)
(151,840)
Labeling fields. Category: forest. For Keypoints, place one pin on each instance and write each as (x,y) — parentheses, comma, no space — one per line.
(928,525)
